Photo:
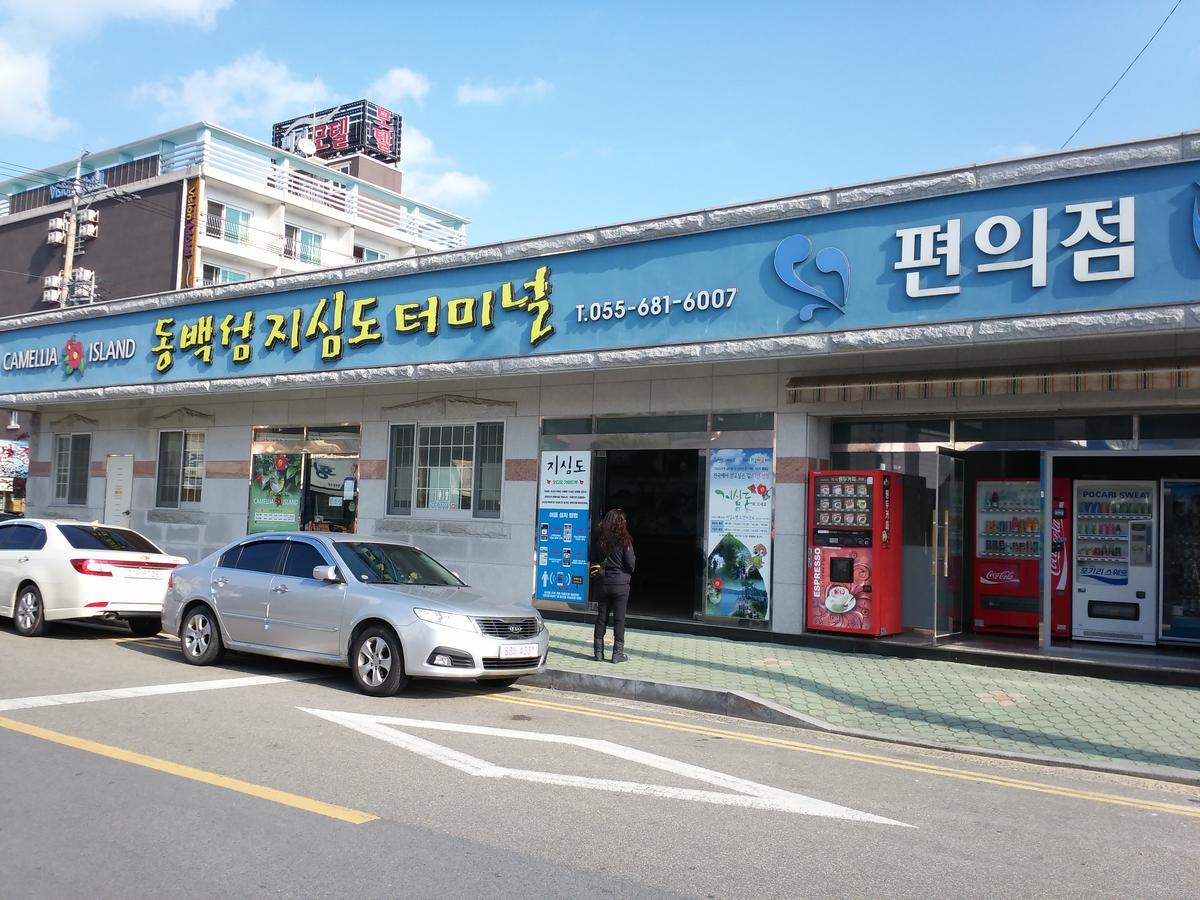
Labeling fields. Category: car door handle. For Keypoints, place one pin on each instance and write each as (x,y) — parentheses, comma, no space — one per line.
(279,589)
(23,559)
(220,582)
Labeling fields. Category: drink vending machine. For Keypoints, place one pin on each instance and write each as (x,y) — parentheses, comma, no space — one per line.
(1180,578)
(1116,568)
(856,547)
(1008,551)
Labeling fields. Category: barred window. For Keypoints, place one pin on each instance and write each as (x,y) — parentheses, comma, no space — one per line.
(453,468)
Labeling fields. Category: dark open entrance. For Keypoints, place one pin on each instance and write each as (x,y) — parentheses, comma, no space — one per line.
(661,492)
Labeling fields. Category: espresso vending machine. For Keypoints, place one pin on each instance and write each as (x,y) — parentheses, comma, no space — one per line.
(1116,562)
(854,582)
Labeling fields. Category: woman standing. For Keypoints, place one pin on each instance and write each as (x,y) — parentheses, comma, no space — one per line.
(614,554)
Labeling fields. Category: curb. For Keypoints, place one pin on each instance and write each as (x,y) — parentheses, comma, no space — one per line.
(745,705)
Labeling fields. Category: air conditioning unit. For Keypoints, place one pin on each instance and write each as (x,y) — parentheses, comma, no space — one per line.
(89,230)
(52,297)
(52,282)
(56,238)
(59,224)
(89,216)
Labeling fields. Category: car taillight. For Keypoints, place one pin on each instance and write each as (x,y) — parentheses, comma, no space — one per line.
(170,581)
(92,567)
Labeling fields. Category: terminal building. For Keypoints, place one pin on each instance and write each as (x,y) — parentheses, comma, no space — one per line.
(961,402)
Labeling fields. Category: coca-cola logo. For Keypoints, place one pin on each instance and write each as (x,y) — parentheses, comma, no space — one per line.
(1002,576)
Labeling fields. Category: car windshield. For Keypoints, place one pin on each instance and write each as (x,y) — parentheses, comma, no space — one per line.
(374,563)
(98,537)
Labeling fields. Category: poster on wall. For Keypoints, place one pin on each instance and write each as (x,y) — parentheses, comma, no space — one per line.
(276,492)
(741,494)
(564,483)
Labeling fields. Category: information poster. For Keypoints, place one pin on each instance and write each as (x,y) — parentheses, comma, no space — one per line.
(276,491)
(741,493)
(564,483)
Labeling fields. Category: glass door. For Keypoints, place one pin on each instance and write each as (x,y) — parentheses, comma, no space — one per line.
(948,559)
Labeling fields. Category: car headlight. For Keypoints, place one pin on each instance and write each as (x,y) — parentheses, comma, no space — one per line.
(448,620)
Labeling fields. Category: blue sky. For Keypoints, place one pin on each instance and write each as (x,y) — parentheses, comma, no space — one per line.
(532,118)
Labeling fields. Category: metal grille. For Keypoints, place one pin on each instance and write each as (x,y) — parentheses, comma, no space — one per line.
(509,629)
(491,664)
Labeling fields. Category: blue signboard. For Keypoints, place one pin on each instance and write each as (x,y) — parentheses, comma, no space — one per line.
(1120,239)
(564,483)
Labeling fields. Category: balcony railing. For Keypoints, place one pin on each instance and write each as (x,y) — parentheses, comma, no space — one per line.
(225,158)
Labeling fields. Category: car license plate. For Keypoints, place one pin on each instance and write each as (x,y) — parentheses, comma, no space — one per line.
(519,651)
(145,574)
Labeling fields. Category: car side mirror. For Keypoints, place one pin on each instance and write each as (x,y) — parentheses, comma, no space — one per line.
(327,573)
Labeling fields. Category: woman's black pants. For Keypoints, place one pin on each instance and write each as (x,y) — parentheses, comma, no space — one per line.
(614,598)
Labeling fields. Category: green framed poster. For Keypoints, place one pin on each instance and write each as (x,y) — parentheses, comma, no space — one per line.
(276,492)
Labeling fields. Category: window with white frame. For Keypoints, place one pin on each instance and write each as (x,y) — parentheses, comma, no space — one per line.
(228,223)
(450,468)
(14,420)
(222,275)
(72,460)
(366,254)
(302,244)
(180,468)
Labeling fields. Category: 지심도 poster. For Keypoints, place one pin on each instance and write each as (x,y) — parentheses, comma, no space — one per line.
(564,485)
(741,493)
(276,492)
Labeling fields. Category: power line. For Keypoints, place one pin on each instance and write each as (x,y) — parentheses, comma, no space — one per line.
(1122,75)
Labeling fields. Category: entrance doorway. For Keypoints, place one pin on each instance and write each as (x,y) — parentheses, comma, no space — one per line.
(662,494)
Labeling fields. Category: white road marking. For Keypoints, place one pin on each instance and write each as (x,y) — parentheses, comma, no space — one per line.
(149,690)
(748,794)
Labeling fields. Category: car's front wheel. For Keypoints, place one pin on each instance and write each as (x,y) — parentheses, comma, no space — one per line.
(29,613)
(200,637)
(377,662)
(145,627)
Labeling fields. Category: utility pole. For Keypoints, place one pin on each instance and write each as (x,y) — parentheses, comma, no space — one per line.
(72,230)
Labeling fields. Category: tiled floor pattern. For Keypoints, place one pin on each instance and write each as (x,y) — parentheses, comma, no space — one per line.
(1066,716)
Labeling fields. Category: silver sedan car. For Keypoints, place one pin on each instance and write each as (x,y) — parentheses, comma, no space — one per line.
(386,610)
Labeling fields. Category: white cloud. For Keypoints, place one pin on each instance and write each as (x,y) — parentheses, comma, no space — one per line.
(29,30)
(445,188)
(25,93)
(85,16)
(493,95)
(398,85)
(251,88)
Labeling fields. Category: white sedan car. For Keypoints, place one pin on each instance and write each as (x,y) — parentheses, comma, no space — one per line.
(51,570)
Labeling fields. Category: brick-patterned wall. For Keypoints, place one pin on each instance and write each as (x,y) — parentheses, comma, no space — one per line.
(520,470)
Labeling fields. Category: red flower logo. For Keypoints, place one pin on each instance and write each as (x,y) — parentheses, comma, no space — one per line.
(280,462)
(717,582)
(73,356)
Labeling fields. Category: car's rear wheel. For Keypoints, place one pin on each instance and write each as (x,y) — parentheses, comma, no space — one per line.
(200,637)
(377,662)
(145,627)
(29,612)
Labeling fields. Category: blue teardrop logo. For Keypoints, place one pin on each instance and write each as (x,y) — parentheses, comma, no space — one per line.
(793,252)
(1196,217)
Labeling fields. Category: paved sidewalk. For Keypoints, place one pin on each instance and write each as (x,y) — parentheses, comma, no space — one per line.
(1062,716)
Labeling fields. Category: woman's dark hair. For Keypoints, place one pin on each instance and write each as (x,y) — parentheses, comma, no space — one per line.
(613,529)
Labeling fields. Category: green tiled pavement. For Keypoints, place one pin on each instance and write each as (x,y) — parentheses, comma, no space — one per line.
(1066,716)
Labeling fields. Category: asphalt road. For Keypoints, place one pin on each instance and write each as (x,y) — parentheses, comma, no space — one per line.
(126,773)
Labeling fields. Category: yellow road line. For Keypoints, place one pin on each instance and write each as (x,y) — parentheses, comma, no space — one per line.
(295,801)
(851,755)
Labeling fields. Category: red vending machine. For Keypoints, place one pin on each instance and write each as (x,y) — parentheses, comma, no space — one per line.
(1008,548)
(856,551)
